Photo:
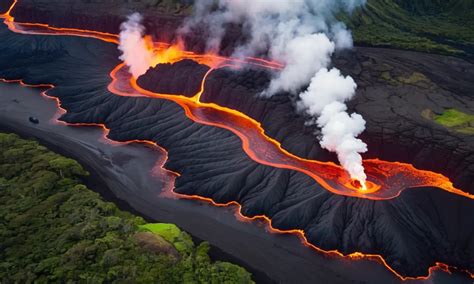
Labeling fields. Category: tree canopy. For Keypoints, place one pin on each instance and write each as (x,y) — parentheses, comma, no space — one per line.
(54,229)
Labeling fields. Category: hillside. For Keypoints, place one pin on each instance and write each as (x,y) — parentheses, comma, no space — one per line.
(437,26)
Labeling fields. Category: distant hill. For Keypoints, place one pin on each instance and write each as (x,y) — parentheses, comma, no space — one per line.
(440,26)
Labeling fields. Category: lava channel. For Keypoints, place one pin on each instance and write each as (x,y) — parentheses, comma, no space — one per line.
(386,180)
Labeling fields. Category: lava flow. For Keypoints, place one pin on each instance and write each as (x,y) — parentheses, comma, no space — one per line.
(386,180)
(164,53)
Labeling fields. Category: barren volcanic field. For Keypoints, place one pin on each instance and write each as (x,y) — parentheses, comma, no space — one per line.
(227,145)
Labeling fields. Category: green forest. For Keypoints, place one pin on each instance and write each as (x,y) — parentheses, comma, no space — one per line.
(54,229)
(439,26)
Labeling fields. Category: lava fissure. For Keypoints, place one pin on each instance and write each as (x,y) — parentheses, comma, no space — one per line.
(331,176)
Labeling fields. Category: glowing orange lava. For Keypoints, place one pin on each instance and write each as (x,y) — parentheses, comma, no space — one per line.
(167,54)
(437,266)
(386,180)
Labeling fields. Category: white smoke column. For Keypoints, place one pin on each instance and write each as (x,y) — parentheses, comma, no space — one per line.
(325,99)
(304,56)
(135,52)
(304,35)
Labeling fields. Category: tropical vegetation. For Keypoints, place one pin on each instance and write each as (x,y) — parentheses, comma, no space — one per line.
(54,229)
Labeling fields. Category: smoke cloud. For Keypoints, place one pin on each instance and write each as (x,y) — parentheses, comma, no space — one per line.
(135,50)
(304,35)
(325,99)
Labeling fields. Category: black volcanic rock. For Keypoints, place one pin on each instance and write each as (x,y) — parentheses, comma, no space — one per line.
(105,17)
(393,103)
(412,232)
(393,108)
(242,91)
(4,5)
(108,15)
(181,78)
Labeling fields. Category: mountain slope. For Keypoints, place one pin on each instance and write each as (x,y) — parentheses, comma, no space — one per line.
(427,25)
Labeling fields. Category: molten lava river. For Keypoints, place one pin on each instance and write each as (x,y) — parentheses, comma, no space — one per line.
(386,180)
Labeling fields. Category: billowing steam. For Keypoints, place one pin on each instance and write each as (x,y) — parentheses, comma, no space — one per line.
(134,47)
(325,99)
(304,35)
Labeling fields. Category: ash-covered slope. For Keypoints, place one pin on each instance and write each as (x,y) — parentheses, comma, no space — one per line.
(412,232)
(181,78)
(397,93)
(162,17)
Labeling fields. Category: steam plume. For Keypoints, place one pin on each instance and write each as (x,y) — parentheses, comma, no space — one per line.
(325,99)
(134,47)
(304,35)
